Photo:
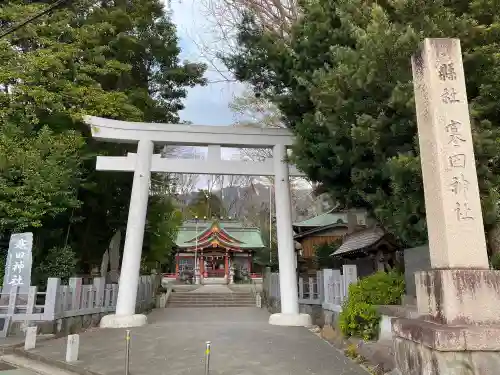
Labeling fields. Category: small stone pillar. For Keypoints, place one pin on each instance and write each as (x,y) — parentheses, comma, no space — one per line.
(72,348)
(30,338)
(460,296)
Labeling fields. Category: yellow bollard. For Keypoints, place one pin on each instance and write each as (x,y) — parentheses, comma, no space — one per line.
(127,352)
(207,357)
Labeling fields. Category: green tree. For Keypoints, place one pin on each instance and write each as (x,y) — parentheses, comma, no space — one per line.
(113,58)
(59,262)
(205,204)
(323,254)
(344,85)
(163,223)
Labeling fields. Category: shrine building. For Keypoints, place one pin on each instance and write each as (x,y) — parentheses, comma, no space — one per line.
(222,249)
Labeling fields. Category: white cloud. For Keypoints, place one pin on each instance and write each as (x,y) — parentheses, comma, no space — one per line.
(207,105)
(204,105)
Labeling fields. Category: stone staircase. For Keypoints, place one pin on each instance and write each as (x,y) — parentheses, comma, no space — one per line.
(190,299)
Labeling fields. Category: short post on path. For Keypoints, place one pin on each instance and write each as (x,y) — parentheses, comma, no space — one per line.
(72,348)
(207,357)
(127,352)
(30,339)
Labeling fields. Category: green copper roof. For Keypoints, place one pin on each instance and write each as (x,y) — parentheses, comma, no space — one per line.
(322,220)
(247,237)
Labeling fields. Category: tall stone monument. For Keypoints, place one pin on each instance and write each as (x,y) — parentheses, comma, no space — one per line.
(460,295)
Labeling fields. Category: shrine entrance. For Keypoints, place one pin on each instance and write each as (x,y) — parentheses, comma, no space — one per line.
(145,161)
(215,265)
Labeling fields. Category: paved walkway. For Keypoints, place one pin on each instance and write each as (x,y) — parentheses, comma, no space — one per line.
(11,364)
(243,343)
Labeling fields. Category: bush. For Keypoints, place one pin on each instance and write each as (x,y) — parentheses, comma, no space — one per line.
(495,261)
(359,317)
(59,262)
(351,351)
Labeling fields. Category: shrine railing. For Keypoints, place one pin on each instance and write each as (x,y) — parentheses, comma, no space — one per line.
(75,299)
(328,288)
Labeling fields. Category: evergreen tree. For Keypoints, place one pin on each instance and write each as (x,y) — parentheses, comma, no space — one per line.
(205,205)
(163,223)
(343,82)
(109,58)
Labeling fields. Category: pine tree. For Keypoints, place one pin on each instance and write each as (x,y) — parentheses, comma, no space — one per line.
(344,84)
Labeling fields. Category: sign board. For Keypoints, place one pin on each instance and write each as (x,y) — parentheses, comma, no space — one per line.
(18,263)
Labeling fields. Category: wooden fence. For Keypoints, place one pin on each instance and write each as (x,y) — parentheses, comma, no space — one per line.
(328,288)
(63,301)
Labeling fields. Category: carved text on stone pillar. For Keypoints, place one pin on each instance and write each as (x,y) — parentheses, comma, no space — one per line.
(449,96)
(457,158)
(454,131)
(459,185)
(453,207)
(447,72)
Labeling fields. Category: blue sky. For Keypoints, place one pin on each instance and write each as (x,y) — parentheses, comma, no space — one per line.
(204,105)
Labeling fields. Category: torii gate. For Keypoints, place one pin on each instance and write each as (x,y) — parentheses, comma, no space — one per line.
(142,163)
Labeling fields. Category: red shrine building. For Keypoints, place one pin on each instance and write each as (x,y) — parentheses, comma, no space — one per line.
(223,250)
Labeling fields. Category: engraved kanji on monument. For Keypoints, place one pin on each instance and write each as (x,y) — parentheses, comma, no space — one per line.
(453,209)
(18,263)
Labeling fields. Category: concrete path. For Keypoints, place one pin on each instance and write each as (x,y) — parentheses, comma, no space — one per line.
(17,372)
(11,364)
(243,343)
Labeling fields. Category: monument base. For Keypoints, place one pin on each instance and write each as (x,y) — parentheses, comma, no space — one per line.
(426,348)
(459,296)
(459,331)
(290,320)
(123,321)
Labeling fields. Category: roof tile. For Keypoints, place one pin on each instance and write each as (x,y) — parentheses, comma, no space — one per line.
(249,237)
(360,240)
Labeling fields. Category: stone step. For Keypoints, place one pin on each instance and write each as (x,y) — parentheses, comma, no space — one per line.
(211,296)
(174,297)
(211,301)
(174,305)
(194,300)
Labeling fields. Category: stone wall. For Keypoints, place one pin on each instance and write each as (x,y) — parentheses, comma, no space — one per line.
(63,326)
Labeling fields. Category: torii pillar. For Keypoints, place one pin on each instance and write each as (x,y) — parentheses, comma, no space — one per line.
(144,162)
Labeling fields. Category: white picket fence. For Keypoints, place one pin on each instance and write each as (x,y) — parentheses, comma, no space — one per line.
(74,299)
(329,288)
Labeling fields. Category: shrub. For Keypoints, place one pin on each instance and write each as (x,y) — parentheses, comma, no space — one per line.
(495,261)
(359,317)
(351,351)
(59,262)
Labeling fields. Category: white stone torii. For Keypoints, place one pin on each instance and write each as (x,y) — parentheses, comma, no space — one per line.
(142,163)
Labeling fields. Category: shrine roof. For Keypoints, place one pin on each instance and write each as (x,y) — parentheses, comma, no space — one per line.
(365,239)
(325,219)
(232,233)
